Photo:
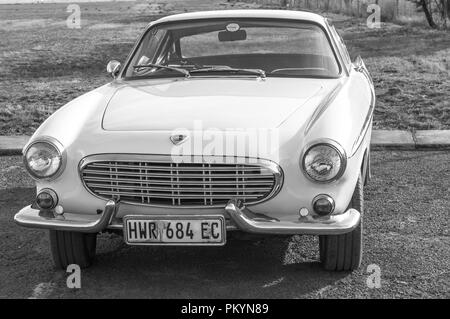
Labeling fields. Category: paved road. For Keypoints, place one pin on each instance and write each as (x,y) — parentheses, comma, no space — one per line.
(406,232)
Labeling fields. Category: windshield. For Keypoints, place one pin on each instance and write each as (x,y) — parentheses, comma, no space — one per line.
(218,47)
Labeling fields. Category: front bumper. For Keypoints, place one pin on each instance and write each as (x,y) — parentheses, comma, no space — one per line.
(251,222)
(243,219)
(34,218)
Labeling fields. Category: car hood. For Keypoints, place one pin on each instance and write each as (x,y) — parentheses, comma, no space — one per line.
(206,103)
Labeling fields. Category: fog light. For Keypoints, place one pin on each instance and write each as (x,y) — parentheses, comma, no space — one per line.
(323,205)
(46,199)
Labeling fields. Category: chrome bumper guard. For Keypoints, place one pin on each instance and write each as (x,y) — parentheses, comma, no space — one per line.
(250,222)
(242,217)
(34,218)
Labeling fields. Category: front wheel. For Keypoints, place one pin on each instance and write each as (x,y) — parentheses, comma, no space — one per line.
(72,248)
(344,252)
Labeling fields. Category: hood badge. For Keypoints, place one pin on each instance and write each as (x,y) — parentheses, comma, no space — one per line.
(178,139)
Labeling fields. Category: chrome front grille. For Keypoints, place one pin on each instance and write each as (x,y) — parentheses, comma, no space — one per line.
(158,181)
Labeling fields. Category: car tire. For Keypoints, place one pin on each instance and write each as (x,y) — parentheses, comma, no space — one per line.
(344,252)
(72,248)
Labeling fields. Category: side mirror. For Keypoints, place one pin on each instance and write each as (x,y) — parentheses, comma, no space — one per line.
(113,68)
(359,64)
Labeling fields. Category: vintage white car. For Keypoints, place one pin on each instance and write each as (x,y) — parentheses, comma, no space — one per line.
(246,121)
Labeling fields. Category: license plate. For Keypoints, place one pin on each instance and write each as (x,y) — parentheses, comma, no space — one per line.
(174,230)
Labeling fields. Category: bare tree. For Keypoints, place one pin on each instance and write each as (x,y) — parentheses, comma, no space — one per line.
(426,7)
(436,12)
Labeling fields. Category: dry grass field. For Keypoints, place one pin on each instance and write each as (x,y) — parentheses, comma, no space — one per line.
(44,64)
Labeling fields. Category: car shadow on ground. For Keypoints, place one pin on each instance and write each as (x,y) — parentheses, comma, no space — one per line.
(268,268)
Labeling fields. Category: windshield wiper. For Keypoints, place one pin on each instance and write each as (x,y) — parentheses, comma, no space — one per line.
(160,66)
(259,72)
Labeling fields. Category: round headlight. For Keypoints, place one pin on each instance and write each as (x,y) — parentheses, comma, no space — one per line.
(324,162)
(43,159)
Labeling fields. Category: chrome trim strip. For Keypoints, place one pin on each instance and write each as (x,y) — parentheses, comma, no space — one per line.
(362,134)
(261,224)
(335,47)
(34,218)
(276,170)
(321,108)
(329,142)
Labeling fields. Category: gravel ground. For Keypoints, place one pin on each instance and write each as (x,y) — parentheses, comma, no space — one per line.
(406,235)
(12,173)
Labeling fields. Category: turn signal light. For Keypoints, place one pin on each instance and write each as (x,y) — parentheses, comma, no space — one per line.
(46,199)
(323,205)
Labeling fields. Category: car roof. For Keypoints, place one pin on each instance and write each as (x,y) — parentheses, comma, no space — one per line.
(259,13)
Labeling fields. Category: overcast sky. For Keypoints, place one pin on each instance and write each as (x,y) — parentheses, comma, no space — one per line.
(53,1)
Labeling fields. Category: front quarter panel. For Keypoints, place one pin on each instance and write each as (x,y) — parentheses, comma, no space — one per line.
(75,122)
(342,121)
(346,115)
(76,117)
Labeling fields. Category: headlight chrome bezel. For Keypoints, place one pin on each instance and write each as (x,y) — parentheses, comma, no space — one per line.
(329,143)
(57,146)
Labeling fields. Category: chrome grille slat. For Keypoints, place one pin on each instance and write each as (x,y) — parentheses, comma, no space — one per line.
(162,182)
(181,196)
(168,168)
(166,183)
(231,176)
(186,189)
